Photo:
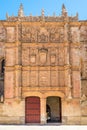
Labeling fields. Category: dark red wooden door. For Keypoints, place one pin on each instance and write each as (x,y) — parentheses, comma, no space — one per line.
(32,110)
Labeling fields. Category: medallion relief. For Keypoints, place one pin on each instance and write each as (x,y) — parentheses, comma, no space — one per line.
(43,56)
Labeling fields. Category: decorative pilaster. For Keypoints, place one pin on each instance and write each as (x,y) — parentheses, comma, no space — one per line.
(43,111)
(18,60)
(17,81)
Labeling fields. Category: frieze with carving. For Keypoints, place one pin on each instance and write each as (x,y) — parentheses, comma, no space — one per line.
(56,34)
(11,34)
(2,34)
(83,33)
(29,34)
(74,34)
(44,34)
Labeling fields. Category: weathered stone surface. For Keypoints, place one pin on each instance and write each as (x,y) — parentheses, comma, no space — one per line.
(44,58)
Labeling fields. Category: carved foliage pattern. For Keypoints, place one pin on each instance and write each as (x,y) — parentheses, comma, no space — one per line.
(42,34)
(2,34)
(83,33)
(11,36)
(75,34)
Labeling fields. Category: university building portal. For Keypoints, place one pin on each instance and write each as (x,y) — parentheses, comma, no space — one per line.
(33,110)
(43,69)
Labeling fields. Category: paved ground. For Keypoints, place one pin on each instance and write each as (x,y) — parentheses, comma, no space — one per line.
(41,127)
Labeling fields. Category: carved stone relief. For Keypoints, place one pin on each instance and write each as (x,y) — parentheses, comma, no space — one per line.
(2,34)
(11,36)
(75,34)
(33,59)
(61,58)
(43,56)
(29,34)
(56,34)
(53,59)
(83,33)
(43,35)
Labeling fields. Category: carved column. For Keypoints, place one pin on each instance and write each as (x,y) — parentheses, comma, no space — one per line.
(43,110)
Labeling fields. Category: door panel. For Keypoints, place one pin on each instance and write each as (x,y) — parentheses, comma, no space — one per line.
(32,110)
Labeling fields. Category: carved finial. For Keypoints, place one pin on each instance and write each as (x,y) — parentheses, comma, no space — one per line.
(12,15)
(77,15)
(21,11)
(7,15)
(64,11)
(42,13)
(54,14)
(63,6)
(30,14)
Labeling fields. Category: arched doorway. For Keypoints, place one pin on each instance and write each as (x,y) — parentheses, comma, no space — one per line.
(53,109)
(32,110)
(2,65)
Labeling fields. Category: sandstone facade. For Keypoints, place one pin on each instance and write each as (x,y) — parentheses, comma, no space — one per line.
(43,62)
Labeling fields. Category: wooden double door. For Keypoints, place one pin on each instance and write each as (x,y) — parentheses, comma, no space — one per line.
(32,110)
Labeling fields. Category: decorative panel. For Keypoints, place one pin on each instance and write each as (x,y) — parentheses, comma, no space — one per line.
(54,78)
(32,110)
(83,33)
(2,34)
(61,56)
(61,78)
(25,78)
(42,56)
(34,78)
(44,78)
(29,34)
(11,36)
(75,33)
(10,57)
(53,59)
(25,56)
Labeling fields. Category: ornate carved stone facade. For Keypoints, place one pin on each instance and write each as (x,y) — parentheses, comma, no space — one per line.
(45,57)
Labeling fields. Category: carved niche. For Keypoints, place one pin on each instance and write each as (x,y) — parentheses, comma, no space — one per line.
(43,56)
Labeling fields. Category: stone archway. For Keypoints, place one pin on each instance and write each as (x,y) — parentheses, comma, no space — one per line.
(53,109)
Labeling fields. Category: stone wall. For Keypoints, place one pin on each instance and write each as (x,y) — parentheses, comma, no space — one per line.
(44,59)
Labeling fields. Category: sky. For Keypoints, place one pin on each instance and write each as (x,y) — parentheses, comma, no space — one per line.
(50,6)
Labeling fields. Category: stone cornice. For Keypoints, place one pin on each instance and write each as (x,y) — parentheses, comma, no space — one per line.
(76,45)
(74,24)
(75,68)
(47,68)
